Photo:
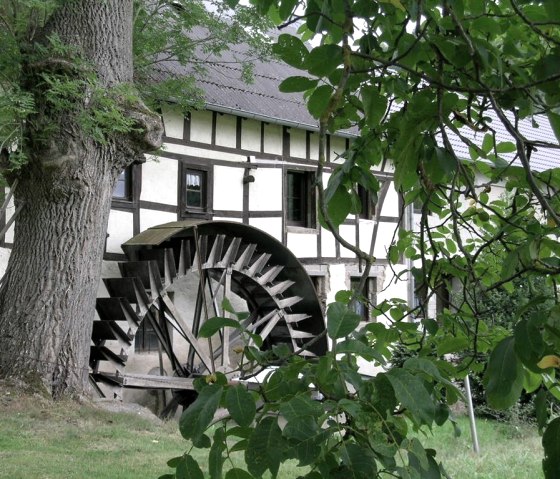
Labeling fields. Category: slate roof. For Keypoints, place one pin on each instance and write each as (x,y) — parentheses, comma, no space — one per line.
(225,91)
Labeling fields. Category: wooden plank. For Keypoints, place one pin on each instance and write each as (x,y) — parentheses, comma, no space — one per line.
(150,381)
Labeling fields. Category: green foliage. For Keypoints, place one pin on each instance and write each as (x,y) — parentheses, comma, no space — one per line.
(417,79)
(356,429)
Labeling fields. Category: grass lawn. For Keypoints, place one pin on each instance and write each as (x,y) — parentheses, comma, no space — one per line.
(506,450)
(66,440)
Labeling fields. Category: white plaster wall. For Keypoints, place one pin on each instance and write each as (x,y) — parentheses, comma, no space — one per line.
(159,180)
(337,281)
(173,121)
(10,210)
(226,126)
(149,218)
(392,288)
(348,232)
(298,147)
(228,188)
(120,229)
(250,135)
(203,153)
(338,146)
(328,244)
(385,233)
(365,228)
(303,245)
(391,203)
(4,256)
(272,226)
(314,146)
(234,220)
(273,139)
(201,126)
(265,193)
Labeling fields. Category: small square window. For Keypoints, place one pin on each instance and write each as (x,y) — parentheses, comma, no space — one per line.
(300,199)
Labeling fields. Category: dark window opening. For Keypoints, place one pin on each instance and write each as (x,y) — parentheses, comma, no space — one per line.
(320,289)
(365,299)
(300,199)
(146,340)
(367,210)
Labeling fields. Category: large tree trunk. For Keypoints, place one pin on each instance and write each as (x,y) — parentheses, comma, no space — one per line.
(47,298)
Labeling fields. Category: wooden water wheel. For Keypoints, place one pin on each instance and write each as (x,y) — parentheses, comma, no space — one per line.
(227,260)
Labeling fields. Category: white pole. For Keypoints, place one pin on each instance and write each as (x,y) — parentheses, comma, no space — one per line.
(474,436)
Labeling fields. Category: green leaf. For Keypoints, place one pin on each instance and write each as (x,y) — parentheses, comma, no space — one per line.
(551,445)
(296,84)
(452,344)
(291,50)
(213,325)
(198,416)
(323,60)
(529,344)
(188,468)
(411,392)
(265,448)
(215,457)
(339,206)
(300,406)
(506,147)
(319,100)
(341,321)
(531,381)
(541,409)
(374,104)
(240,405)
(237,473)
(504,375)
(359,460)
(488,142)
(286,8)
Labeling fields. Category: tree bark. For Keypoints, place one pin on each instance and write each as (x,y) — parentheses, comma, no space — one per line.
(47,299)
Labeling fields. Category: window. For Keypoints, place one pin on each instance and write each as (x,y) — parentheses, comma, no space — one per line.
(300,199)
(195,189)
(195,194)
(146,340)
(320,289)
(123,187)
(366,298)
(368,207)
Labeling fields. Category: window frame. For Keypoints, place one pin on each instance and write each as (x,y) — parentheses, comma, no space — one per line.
(205,211)
(308,217)
(131,189)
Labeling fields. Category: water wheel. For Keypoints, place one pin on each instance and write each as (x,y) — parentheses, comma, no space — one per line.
(223,260)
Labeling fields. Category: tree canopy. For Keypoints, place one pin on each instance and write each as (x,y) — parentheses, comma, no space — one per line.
(452,94)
